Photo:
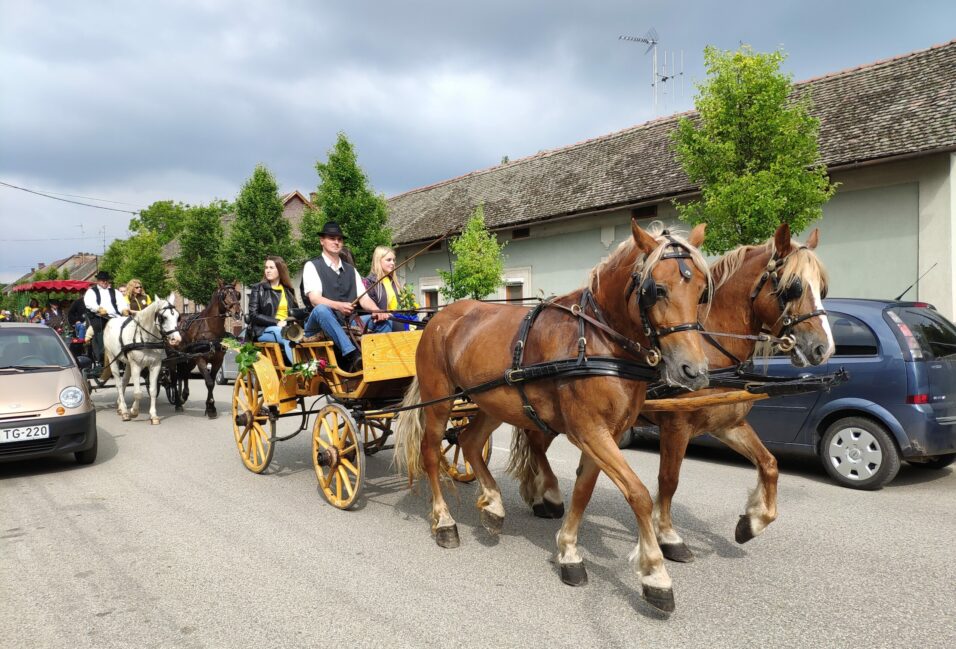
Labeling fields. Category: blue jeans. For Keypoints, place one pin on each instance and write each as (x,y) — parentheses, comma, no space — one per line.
(381,327)
(324,319)
(273,335)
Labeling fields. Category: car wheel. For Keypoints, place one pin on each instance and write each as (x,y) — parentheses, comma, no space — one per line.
(221,377)
(627,439)
(935,462)
(859,453)
(89,455)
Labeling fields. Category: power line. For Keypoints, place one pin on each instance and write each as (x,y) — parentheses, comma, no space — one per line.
(93,198)
(66,200)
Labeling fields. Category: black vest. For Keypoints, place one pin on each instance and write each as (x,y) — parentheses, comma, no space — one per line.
(336,286)
(112,297)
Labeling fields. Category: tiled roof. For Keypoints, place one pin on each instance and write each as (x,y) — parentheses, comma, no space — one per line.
(884,109)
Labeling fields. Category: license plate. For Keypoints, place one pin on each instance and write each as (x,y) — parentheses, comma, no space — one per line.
(24,433)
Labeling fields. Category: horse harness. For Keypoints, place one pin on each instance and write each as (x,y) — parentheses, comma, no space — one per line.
(143,344)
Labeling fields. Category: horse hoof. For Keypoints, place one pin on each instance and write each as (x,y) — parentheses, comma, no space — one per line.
(574,574)
(154,421)
(492,522)
(744,532)
(677,552)
(125,416)
(660,598)
(212,415)
(179,408)
(547,509)
(447,537)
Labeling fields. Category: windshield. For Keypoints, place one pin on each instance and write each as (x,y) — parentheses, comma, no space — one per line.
(33,347)
(936,334)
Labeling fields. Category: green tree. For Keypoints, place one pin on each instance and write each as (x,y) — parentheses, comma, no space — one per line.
(478,261)
(164,218)
(112,260)
(259,230)
(143,259)
(199,260)
(753,151)
(344,196)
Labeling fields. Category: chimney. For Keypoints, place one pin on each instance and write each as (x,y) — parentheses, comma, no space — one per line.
(314,197)
(40,265)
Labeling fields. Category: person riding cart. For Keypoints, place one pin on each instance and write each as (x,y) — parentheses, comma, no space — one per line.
(103,302)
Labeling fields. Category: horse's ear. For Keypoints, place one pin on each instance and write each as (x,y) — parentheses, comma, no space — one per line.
(813,239)
(171,298)
(644,241)
(219,282)
(697,235)
(781,240)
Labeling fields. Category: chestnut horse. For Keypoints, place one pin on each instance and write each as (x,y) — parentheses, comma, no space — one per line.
(468,343)
(775,287)
(202,332)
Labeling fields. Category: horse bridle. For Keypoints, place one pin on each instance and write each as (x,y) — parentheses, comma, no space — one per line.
(785,295)
(159,317)
(222,301)
(648,292)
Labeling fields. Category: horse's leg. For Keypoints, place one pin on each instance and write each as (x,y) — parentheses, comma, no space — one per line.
(762,504)
(601,452)
(135,372)
(182,385)
(472,442)
(443,524)
(528,464)
(674,437)
(121,380)
(153,381)
(208,377)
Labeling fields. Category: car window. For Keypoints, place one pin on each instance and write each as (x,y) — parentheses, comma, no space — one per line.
(936,334)
(37,346)
(851,336)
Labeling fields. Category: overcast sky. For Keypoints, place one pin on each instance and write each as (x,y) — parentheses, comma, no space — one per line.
(137,102)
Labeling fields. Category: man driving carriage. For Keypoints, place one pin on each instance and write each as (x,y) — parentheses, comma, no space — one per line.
(103,302)
(331,286)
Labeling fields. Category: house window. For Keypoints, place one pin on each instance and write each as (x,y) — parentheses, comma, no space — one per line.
(514,292)
(430,296)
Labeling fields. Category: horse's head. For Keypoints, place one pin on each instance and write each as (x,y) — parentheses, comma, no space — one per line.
(788,297)
(668,282)
(167,319)
(230,299)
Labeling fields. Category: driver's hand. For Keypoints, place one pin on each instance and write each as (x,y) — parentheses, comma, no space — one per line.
(125,311)
(345,308)
(378,317)
(101,310)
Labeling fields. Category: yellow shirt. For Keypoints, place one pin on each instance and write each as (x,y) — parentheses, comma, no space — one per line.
(282,311)
(391,298)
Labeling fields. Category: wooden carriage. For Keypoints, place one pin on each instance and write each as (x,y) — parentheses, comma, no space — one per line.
(354,411)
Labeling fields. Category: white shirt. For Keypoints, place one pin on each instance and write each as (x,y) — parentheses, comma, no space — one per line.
(90,301)
(312,282)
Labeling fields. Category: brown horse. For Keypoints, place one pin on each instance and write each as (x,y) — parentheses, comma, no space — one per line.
(776,287)
(202,332)
(468,343)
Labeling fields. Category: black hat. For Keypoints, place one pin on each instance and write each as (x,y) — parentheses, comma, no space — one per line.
(104,276)
(331,229)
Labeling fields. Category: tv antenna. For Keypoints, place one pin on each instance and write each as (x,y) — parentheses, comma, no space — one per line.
(660,75)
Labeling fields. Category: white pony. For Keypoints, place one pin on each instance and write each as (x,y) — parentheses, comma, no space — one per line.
(143,335)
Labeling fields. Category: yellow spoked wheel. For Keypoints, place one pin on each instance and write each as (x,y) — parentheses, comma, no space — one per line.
(337,456)
(373,437)
(458,469)
(251,424)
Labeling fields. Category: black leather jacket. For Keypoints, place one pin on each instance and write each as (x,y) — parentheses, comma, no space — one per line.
(263,302)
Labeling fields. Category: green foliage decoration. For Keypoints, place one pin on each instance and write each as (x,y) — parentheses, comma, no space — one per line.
(753,150)
(478,263)
(344,196)
(246,358)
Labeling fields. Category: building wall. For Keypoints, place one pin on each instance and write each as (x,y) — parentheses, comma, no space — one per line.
(885,226)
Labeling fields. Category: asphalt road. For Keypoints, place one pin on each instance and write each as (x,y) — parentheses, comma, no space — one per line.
(168,541)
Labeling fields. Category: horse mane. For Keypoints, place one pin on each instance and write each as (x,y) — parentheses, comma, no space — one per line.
(644,264)
(801,262)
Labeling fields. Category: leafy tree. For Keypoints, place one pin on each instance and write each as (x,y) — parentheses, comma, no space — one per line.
(259,230)
(143,259)
(753,151)
(478,261)
(200,255)
(344,196)
(165,218)
(112,260)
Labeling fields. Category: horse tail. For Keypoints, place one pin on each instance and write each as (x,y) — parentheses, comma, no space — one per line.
(522,465)
(408,435)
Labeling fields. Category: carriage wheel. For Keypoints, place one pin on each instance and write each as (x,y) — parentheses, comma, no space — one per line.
(373,438)
(337,456)
(458,469)
(251,423)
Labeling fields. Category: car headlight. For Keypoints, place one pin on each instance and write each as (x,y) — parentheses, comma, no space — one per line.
(71,397)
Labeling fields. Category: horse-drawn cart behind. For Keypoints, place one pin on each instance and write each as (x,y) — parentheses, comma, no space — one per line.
(354,411)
